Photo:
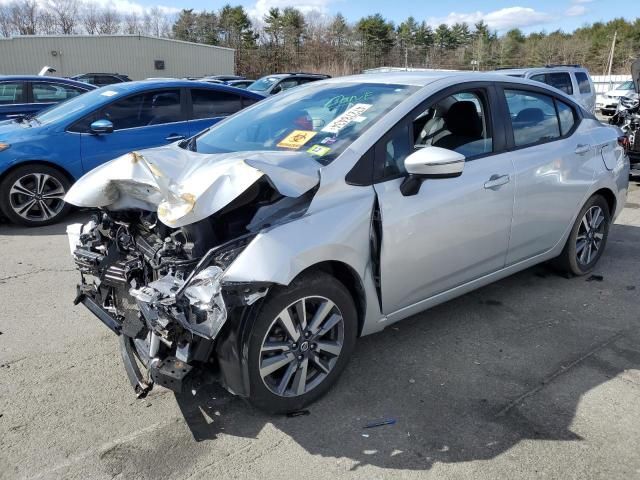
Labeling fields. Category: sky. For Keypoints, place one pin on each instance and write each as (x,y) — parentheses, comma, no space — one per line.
(548,15)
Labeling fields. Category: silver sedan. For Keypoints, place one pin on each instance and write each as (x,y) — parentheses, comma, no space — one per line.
(263,247)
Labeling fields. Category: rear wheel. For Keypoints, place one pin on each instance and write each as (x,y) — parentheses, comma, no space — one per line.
(587,239)
(300,342)
(33,195)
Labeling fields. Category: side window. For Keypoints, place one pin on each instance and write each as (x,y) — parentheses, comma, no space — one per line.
(145,109)
(12,92)
(533,117)
(583,82)
(458,122)
(566,116)
(541,77)
(212,103)
(561,81)
(44,92)
(287,84)
(246,101)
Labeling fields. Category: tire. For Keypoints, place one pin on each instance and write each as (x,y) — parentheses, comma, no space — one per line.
(44,189)
(302,367)
(575,258)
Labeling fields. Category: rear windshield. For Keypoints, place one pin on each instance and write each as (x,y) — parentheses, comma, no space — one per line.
(263,84)
(319,121)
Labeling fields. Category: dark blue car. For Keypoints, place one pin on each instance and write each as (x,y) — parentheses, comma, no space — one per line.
(29,94)
(41,156)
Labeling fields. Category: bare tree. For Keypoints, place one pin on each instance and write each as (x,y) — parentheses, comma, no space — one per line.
(132,23)
(155,23)
(6,25)
(90,14)
(47,23)
(108,21)
(66,15)
(24,16)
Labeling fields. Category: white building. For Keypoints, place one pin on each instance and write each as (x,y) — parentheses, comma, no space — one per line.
(138,56)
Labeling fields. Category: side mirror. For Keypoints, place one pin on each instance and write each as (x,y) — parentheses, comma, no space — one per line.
(430,162)
(101,126)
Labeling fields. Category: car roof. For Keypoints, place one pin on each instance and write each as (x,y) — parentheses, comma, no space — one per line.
(141,85)
(26,78)
(556,68)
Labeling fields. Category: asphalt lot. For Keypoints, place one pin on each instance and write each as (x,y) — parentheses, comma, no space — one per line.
(534,376)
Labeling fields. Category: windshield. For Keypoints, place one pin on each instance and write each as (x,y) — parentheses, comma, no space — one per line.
(320,120)
(263,84)
(625,86)
(69,107)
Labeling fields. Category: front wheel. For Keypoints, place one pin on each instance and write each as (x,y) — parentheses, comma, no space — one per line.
(33,195)
(300,342)
(587,239)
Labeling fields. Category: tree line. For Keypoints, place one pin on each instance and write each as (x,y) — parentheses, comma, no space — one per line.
(285,39)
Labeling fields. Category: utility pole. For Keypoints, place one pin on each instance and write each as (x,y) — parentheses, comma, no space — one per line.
(406,58)
(611,54)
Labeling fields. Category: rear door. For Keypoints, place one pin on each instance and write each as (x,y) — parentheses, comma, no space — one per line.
(13,99)
(46,94)
(209,106)
(143,120)
(554,166)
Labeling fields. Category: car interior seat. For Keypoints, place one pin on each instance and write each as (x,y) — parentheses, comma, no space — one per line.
(464,126)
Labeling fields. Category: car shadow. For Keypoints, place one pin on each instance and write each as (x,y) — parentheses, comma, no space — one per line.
(466,380)
(76,216)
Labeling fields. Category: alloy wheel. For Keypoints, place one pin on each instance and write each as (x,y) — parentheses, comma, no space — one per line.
(37,197)
(590,235)
(301,346)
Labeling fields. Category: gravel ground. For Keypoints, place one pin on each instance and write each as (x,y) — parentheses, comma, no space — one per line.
(534,376)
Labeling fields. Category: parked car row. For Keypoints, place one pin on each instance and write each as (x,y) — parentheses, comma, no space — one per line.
(42,155)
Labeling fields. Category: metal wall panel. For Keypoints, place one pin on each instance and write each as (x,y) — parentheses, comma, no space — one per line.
(133,55)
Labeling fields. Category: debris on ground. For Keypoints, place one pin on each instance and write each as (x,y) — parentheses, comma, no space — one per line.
(411,380)
(629,287)
(387,421)
(595,278)
(298,413)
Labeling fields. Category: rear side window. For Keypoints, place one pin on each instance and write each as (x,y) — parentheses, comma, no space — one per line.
(533,117)
(12,92)
(583,82)
(44,92)
(566,116)
(559,80)
(145,109)
(212,103)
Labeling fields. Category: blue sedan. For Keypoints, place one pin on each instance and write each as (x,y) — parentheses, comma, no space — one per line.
(41,156)
(29,94)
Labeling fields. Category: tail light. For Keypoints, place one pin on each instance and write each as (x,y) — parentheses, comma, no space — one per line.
(623,141)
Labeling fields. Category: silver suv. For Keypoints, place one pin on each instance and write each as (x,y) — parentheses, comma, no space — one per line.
(259,250)
(573,80)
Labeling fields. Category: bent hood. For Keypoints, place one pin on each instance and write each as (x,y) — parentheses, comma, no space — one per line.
(185,187)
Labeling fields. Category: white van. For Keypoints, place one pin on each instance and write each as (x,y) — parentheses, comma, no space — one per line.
(571,79)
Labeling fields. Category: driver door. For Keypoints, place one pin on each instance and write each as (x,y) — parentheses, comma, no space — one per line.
(454,230)
(144,120)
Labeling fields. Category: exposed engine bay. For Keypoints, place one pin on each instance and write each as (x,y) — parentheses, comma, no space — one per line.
(161,288)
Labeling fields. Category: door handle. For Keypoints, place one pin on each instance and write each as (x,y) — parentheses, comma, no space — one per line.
(496,181)
(582,148)
(174,137)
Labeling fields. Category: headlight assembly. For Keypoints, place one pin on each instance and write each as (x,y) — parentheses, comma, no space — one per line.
(4,146)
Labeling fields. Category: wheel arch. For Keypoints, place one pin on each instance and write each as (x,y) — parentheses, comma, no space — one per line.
(346,275)
(24,163)
(610,198)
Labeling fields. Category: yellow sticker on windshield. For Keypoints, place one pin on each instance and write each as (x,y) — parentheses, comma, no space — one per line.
(297,139)
(319,150)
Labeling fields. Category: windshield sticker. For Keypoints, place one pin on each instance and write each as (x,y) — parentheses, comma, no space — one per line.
(329,140)
(359,119)
(109,93)
(319,150)
(339,100)
(346,118)
(297,139)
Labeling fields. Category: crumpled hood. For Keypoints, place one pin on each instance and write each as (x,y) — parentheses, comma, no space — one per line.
(185,187)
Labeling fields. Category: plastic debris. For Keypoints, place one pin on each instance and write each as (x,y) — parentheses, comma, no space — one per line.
(387,421)
(595,278)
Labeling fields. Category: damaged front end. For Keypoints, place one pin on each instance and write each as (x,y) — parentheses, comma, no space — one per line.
(161,287)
